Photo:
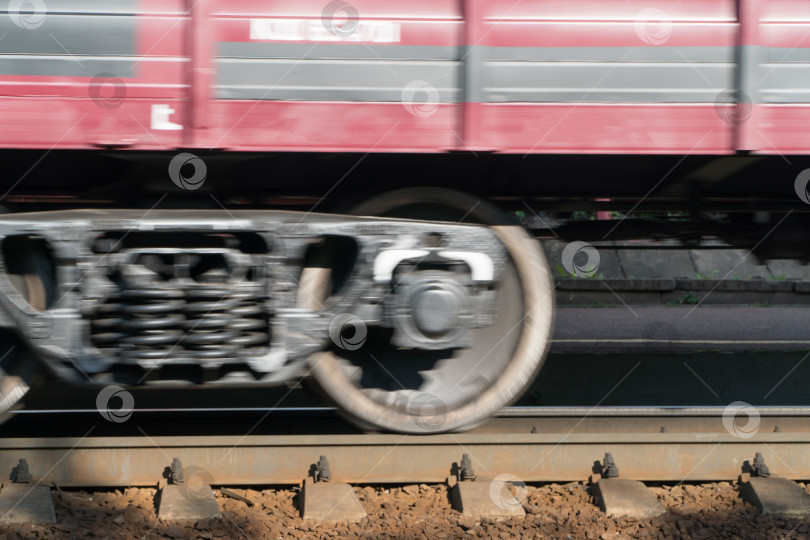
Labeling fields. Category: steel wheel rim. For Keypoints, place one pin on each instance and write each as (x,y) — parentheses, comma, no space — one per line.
(427,412)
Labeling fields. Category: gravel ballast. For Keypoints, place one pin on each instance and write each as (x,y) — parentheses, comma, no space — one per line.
(554,511)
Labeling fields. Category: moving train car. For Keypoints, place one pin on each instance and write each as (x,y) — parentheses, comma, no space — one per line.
(255,192)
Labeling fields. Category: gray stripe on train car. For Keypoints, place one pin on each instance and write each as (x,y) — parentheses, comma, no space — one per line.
(348,51)
(119,7)
(784,54)
(65,66)
(77,35)
(509,54)
(605,82)
(610,54)
(332,72)
(367,80)
(328,80)
(784,83)
(353,51)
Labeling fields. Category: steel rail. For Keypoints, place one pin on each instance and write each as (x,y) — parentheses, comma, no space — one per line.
(631,411)
(514,411)
(666,448)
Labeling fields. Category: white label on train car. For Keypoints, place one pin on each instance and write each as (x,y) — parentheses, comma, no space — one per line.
(320,30)
(161,118)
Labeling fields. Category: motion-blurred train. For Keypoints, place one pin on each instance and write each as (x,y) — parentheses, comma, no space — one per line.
(254,192)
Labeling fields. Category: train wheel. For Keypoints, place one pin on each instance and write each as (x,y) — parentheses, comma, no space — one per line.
(379,386)
(16,375)
(31,274)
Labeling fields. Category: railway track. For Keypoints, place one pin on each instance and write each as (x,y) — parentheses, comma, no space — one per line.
(534,444)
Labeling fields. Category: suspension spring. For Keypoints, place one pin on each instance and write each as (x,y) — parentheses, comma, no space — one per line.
(199,321)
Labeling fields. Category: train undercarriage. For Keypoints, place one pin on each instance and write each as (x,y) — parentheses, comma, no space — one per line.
(427,313)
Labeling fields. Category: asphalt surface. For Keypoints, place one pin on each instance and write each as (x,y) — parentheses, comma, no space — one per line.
(683,328)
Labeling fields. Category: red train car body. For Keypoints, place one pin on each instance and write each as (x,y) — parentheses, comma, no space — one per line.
(541,76)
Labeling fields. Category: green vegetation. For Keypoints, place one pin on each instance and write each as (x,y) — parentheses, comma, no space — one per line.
(684,300)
